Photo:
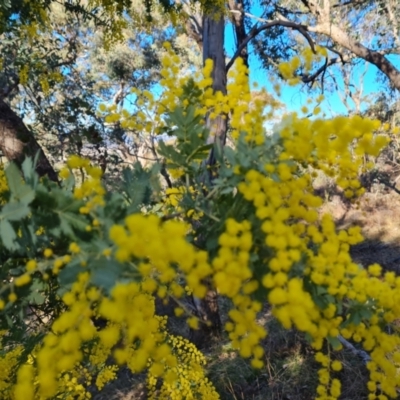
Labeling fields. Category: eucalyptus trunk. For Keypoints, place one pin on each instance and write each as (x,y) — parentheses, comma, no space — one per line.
(213,48)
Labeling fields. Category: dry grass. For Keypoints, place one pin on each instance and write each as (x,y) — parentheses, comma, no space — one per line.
(127,386)
(290,372)
(378,215)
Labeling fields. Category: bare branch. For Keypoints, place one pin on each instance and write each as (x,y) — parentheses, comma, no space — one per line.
(389,51)
(350,3)
(288,11)
(255,31)
(342,39)
(118,97)
(249,15)
(310,78)
(360,353)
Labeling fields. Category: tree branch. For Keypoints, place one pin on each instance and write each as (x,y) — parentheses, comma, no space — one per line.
(249,15)
(308,78)
(255,31)
(311,6)
(236,7)
(360,353)
(393,21)
(288,11)
(342,39)
(350,2)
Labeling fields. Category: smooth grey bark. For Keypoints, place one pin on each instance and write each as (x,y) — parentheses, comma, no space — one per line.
(207,309)
(213,48)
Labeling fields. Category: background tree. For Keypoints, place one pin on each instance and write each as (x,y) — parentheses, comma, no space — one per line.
(350,30)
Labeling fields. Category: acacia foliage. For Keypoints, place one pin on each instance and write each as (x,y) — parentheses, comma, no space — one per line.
(81,266)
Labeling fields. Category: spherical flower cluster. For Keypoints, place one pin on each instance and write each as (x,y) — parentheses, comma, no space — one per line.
(238,102)
(23,74)
(133,325)
(333,146)
(306,269)
(306,59)
(186,379)
(160,246)
(133,335)
(9,359)
(25,377)
(307,249)
(174,197)
(148,112)
(72,384)
(246,111)
(64,343)
(117,24)
(231,264)
(91,189)
(327,386)
(106,375)
(234,279)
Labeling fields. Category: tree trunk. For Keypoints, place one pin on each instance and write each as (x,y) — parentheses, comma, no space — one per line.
(237,9)
(213,48)
(17,142)
(207,309)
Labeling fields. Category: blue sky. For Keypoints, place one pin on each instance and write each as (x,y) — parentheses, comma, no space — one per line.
(294,97)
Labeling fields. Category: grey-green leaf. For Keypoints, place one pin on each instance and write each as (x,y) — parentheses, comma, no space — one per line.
(8,235)
(14,211)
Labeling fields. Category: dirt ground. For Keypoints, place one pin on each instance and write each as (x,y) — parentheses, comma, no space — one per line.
(378,214)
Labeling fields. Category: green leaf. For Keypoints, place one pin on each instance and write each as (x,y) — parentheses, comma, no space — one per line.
(16,271)
(10,322)
(70,221)
(28,169)
(170,153)
(46,199)
(69,273)
(355,318)
(200,153)
(8,235)
(334,342)
(36,298)
(212,243)
(15,211)
(13,175)
(19,190)
(105,273)
(230,154)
